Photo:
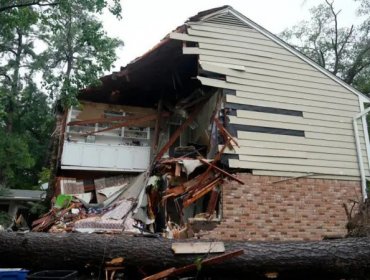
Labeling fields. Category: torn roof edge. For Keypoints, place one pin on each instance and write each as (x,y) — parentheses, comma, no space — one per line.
(201,16)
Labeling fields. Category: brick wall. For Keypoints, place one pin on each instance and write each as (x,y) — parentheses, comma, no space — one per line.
(295,209)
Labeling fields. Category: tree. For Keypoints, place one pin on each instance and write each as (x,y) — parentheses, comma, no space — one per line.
(328,259)
(79,50)
(76,52)
(17,55)
(344,51)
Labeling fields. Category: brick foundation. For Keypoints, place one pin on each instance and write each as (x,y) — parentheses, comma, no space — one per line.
(295,209)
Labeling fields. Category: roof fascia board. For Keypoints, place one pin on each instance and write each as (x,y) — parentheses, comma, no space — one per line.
(273,37)
(217,13)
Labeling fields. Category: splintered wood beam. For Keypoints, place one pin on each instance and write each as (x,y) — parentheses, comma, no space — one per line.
(224,131)
(222,171)
(161,275)
(217,158)
(136,121)
(178,132)
(201,192)
(213,201)
(178,271)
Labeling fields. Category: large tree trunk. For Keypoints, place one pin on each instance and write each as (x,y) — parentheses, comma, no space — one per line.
(330,259)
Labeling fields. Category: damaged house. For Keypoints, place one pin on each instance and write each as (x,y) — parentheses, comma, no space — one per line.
(222,131)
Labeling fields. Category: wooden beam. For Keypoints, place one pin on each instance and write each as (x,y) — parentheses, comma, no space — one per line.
(102,120)
(213,201)
(201,192)
(223,129)
(177,271)
(197,247)
(222,171)
(136,121)
(217,158)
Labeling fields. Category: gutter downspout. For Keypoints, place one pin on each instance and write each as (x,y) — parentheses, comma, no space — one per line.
(359,153)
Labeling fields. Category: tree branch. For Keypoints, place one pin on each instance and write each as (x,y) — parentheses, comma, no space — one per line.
(28,4)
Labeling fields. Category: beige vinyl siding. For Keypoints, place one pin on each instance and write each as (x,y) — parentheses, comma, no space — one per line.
(288,79)
(261,70)
(311,143)
(282,176)
(271,100)
(263,73)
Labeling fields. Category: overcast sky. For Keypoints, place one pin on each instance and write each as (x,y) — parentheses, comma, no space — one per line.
(146,22)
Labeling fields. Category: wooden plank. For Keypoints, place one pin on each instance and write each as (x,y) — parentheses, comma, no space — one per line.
(132,122)
(103,120)
(212,204)
(234,163)
(201,191)
(224,130)
(209,261)
(160,275)
(197,247)
(178,271)
(222,171)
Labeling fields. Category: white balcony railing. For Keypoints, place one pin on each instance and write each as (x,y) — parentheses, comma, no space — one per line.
(108,157)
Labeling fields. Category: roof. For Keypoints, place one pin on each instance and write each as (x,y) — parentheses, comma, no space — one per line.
(17,194)
(159,79)
(224,9)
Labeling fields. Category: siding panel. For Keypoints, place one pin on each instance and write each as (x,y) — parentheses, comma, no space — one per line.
(263,73)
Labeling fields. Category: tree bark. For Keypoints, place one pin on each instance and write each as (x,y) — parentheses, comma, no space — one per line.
(348,257)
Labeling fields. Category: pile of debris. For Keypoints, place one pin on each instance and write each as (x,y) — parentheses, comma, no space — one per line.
(164,199)
(359,224)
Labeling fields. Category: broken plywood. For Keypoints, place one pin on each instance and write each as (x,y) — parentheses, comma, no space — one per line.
(198,247)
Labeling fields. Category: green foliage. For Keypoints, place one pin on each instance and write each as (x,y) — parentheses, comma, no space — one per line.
(79,50)
(15,158)
(44,175)
(198,263)
(344,51)
(75,51)
(5,219)
(38,208)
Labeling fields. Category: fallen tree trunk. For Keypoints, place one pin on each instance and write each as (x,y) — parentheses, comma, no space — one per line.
(342,257)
